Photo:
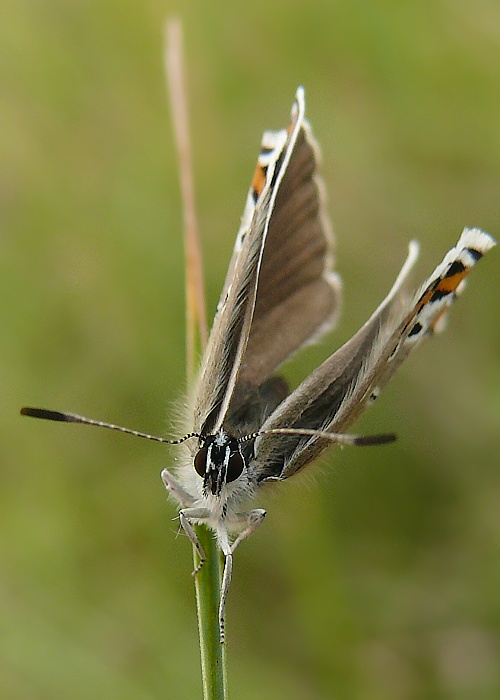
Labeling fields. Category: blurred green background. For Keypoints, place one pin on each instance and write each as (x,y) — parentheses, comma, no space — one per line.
(376,576)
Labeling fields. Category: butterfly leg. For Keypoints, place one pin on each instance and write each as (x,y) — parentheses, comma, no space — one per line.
(252,519)
(187,514)
(175,489)
(225,546)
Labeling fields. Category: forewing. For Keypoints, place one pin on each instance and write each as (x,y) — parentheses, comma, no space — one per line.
(231,328)
(338,391)
(298,294)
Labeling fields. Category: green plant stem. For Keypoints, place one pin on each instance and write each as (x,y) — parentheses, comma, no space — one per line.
(207,585)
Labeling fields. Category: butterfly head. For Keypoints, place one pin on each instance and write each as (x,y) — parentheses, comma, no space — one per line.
(218,462)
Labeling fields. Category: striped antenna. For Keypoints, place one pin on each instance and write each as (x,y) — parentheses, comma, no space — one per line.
(339,438)
(62,417)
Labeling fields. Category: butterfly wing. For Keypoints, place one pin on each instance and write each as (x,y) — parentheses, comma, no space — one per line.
(298,294)
(280,270)
(338,391)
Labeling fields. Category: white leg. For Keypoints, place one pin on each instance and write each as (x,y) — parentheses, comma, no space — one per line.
(174,488)
(252,519)
(186,515)
(225,545)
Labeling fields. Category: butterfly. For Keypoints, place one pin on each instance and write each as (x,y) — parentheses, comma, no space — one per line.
(246,427)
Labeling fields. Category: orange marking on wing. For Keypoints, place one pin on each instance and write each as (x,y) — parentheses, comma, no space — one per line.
(446,285)
(449,284)
(424,300)
(259,179)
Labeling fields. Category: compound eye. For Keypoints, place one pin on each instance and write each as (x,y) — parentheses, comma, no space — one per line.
(235,466)
(200,461)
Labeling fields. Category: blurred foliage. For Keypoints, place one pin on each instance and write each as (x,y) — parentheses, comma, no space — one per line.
(379,576)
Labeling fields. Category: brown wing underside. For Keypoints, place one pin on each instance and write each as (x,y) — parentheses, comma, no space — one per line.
(298,295)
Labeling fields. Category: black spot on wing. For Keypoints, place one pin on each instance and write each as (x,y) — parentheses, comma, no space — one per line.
(456,268)
(439,294)
(476,254)
(417,328)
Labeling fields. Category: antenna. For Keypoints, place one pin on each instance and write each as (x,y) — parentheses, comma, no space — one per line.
(339,438)
(63,417)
